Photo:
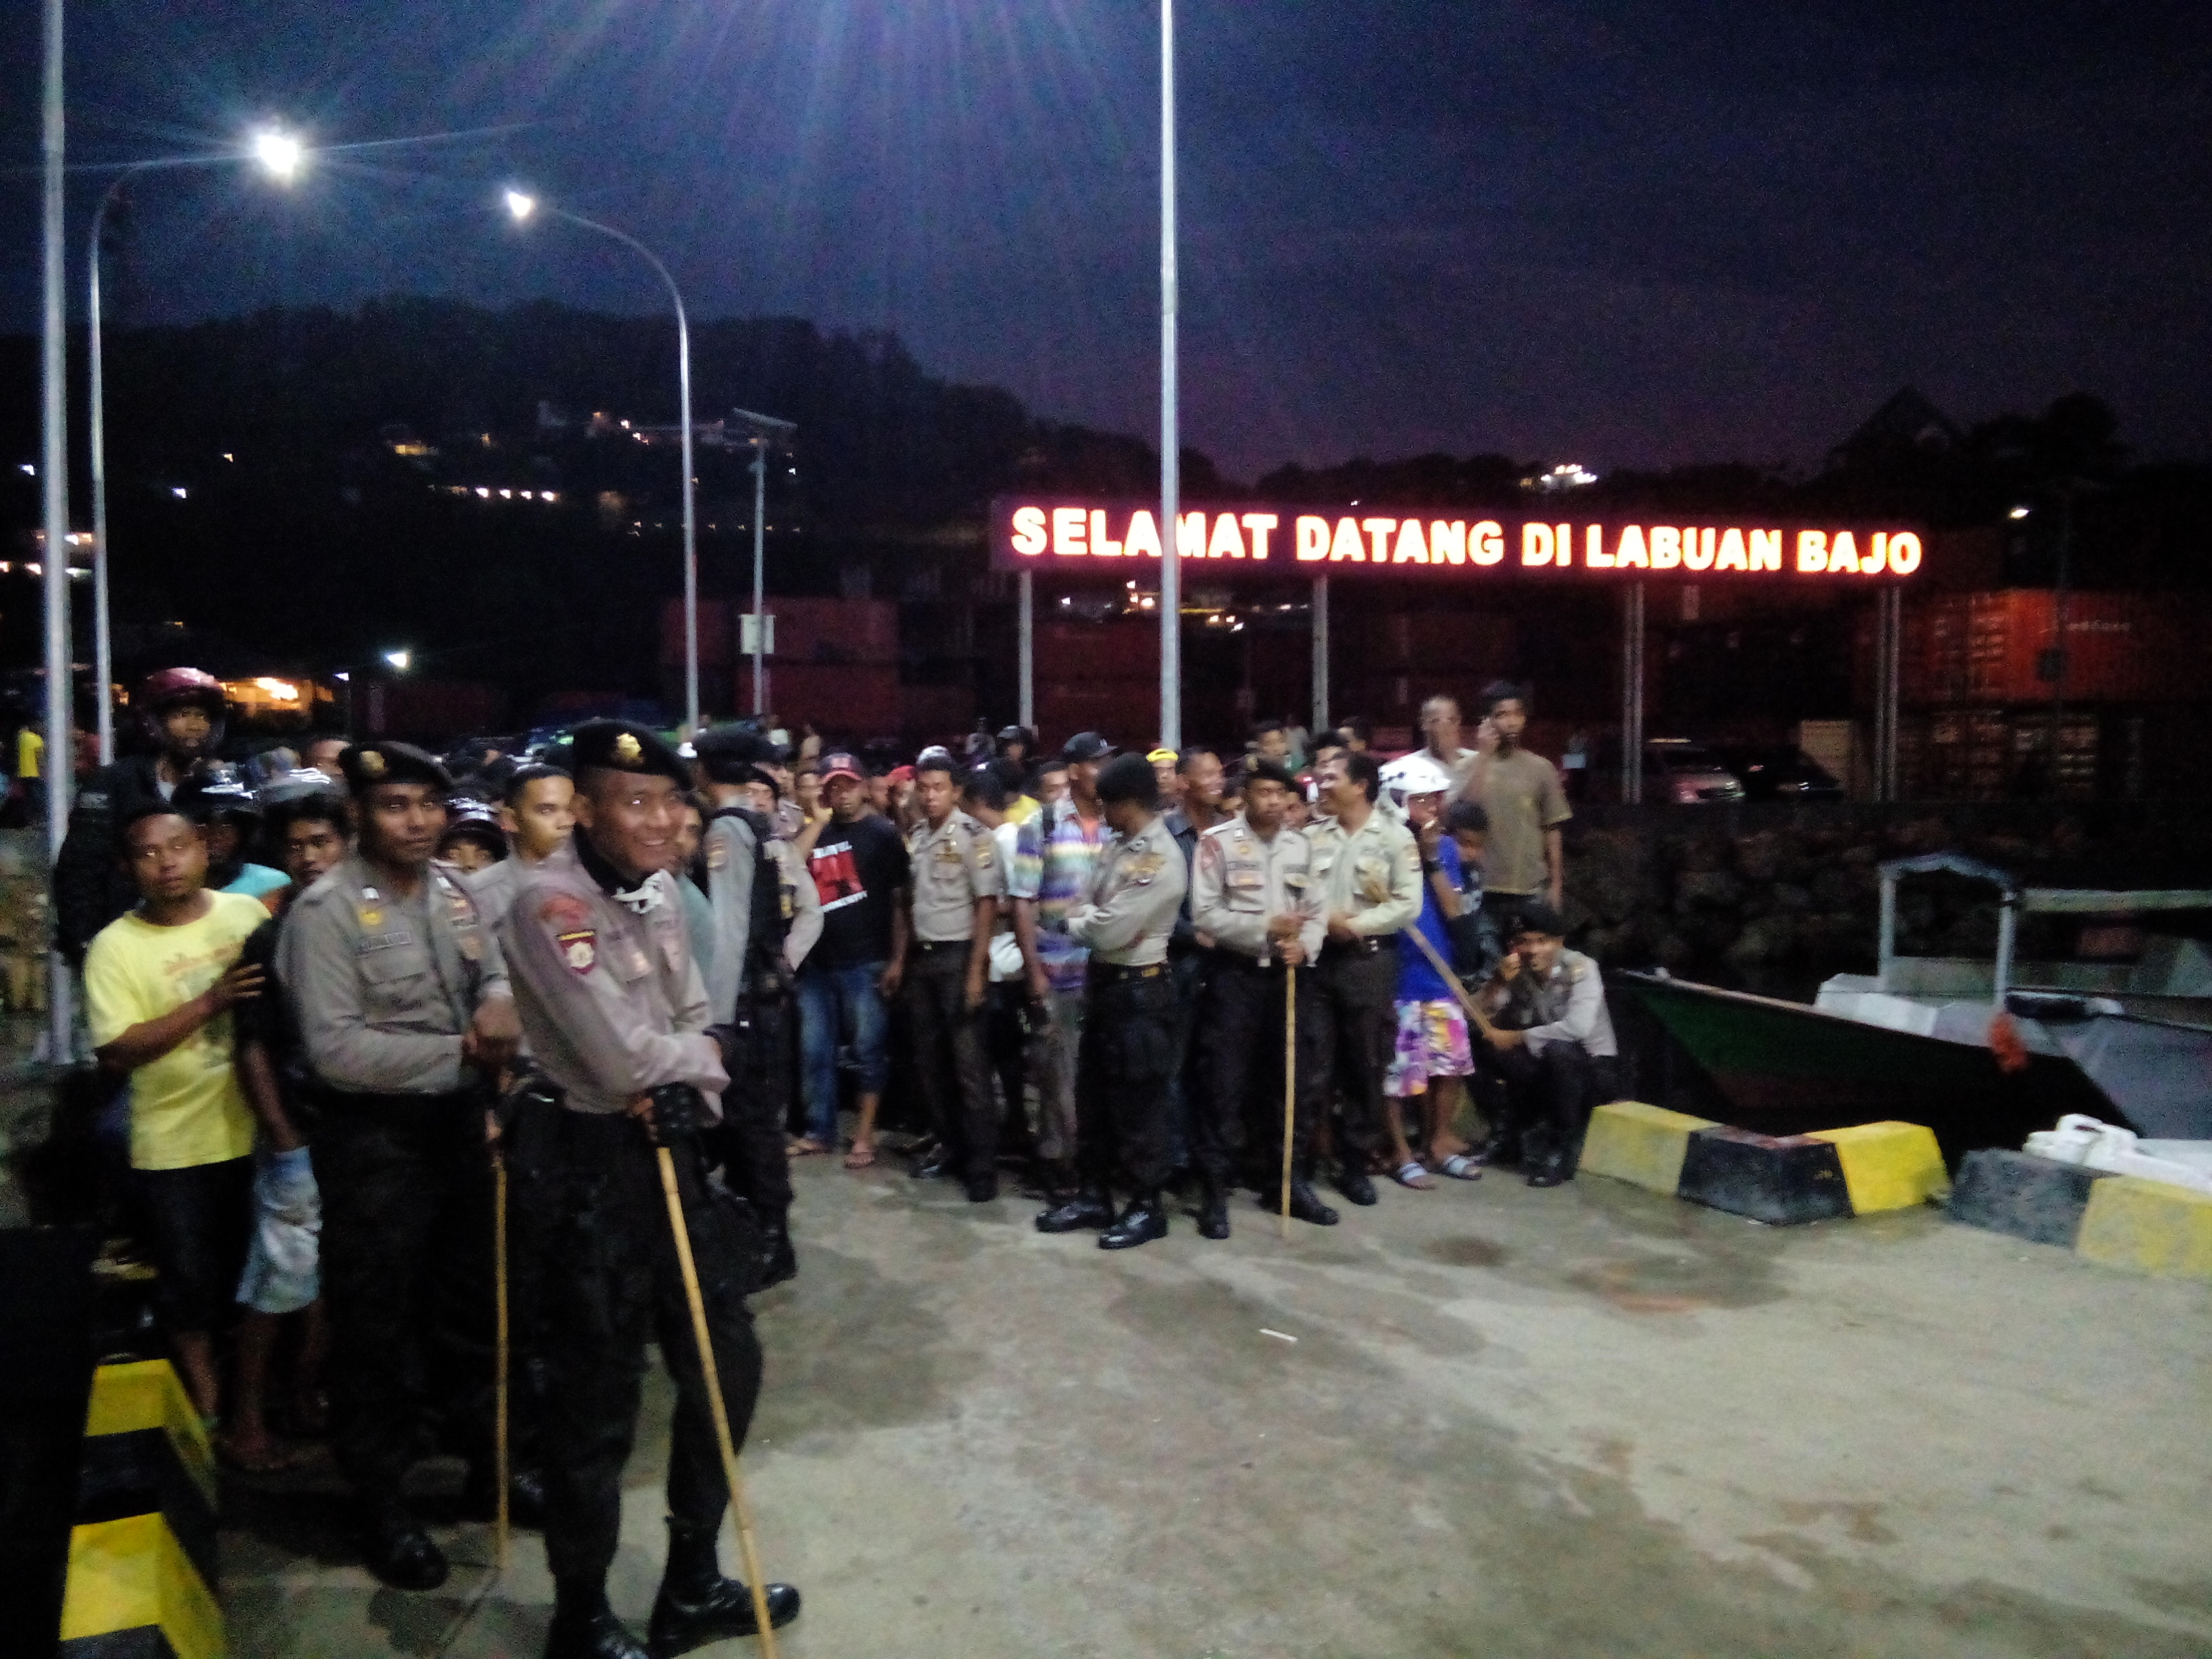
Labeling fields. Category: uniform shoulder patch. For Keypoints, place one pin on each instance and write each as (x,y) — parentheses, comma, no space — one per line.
(579,948)
(718,853)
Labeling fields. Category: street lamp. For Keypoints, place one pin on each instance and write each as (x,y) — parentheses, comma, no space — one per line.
(521,207)
(1171,479)
(400,659)
(282,156)
(766,428)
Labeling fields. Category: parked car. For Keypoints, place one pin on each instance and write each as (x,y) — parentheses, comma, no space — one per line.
(1782,773)
(1687,774)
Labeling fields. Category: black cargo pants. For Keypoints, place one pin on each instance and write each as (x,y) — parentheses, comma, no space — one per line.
(1240,1093)
(1123,1069)
(1359,988)
(750,1141)
(950,1065)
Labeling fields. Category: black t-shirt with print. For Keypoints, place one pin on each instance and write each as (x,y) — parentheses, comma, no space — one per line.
(858,869)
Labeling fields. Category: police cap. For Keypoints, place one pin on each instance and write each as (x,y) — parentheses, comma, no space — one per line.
(728,753)
(1260,770)
(625,746)
(1535,916)
(1129,777)
(367,764)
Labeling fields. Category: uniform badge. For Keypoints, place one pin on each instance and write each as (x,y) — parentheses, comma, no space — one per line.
(983,858)
(579,949)
(1244,847)
(947,853)
(371,763)
(718,853)
(370,918)
(1144,866)
(627,749)
(472,945)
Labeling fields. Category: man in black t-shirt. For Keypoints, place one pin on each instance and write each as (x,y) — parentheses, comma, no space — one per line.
(859,867)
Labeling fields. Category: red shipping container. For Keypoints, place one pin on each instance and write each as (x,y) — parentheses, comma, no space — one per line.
(439,710)
(716,629)
(830,630)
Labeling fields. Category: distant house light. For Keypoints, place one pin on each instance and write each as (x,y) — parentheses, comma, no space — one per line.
(2017,512)
(178,490)
(484,491)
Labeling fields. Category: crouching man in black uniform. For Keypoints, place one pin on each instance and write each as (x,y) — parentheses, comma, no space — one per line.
(616,1014)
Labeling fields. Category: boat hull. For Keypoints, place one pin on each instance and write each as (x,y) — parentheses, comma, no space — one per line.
(1785,1068)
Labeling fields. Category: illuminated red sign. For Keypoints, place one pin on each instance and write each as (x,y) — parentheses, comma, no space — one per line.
(1080,536)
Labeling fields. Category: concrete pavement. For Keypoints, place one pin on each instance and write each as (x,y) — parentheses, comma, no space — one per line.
(1594,1421)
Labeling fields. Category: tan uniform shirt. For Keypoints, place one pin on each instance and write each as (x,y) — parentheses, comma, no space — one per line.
(385,987)
(953,865)
(1240,881)
(731,851)
(1372,874)
(1567,1005)
(1136,892)
(610,998)
(1522,793)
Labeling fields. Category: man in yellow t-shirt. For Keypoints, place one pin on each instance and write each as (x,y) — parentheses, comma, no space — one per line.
(160,981)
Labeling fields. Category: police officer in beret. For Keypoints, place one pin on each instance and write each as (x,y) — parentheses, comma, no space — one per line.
(1127,1051)
(406,1016)
(767,916)
(618,1018)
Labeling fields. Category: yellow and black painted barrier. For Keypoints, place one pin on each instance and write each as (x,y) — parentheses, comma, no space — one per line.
(142,1560)
(2120,1220)
(1780,1179)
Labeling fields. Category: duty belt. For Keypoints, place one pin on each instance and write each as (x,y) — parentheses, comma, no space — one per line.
(927,944)
(1359,947)
(1112,972)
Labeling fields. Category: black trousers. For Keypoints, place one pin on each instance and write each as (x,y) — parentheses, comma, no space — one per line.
(1239,1102)
(1123,1069)
(749,1142)
(1359,990)
(407,1276)
(1006,1047)
(1550,1095)
(614,1283)
(949,1069)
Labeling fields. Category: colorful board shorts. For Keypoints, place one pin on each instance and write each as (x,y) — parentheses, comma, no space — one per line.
(1431,1043)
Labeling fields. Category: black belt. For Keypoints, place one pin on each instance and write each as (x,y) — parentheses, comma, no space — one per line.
(1361,947)
(1110,973)
(926,945)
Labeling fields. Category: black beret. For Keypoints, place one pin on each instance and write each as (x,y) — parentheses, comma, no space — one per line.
(724,751)
(1257,770)
(1129,777)
(1535,916)
(624,746)
(367,764)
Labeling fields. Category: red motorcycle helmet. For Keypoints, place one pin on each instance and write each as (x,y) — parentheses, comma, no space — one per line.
(170,688)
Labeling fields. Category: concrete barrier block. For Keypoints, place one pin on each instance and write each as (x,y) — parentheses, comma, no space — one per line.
(2023,1195)
(2149,1227)
(1782,1179)
(1642,1144)
(1887,1166)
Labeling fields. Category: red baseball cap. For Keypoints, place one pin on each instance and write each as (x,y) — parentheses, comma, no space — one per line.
(841,765)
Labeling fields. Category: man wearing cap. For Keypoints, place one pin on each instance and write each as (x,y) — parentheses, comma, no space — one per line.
(180,714)
(858,866)
(618,1018)
(955,901)
(1127,1051)
(767,917)
(1253,894)
(1058,849)
(1369,872)
(406,1016)
(1554,1046)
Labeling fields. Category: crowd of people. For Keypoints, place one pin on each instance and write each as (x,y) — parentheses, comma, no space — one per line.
(338,986)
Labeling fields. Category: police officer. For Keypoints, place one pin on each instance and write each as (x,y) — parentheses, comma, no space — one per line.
(404,1013)
(1370,871)
(618,1018)
(767,916)
(955,900)
(1252,889)
(1127,1050)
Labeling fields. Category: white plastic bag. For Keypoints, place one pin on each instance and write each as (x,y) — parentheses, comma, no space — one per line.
(2080,1138)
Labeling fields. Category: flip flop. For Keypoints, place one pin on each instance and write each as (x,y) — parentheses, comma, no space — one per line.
(806,1146)
(1460,1167)
(1411,1175)
(862,1156)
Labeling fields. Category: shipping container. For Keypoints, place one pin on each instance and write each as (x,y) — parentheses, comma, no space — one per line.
(1996,648)
(849,702)
(829,630)
(715,629)
(438,711)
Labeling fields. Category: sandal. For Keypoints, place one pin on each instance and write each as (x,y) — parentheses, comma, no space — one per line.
(806,1146)
(862,1156)
(1461,1167)
(1411,1175)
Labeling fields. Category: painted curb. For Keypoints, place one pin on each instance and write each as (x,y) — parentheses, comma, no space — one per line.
(1783,1180)
(2119,1221)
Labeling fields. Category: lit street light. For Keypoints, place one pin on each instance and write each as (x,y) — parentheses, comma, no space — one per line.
(400,659)
(282,156)
(521,207)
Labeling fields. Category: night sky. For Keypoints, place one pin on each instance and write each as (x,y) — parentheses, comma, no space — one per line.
(1640,233)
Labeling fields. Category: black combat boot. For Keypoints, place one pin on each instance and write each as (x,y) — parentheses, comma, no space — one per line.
(397,1549)
(1092,1206)
(1212,1208)
(1141,1223)
(779,1261)
(1352,1181)
(1306,1205)
(526,1496)
(696,1605)
(585,1626)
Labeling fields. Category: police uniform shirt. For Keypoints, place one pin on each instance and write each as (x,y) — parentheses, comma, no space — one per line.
(953,865)
(1241,880)
(610,1001)
(1136,890)
(493,888)
(729,851)
(386,987)
(1565,1005)
(1371,874)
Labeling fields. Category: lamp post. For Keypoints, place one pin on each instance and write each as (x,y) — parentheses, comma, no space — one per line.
(520,206)
(53,488)
(1170,554)
(765,428)
(281,155)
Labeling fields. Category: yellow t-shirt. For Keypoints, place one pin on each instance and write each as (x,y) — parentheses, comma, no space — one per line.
(187,1107)
(1021,809)
(30,750)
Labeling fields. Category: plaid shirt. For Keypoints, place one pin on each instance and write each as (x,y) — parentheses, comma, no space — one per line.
(1052,860)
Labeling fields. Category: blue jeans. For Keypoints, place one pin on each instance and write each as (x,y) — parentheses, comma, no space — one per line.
(840,1006)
